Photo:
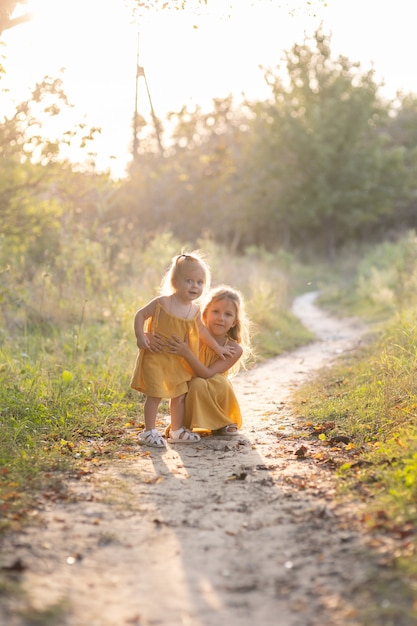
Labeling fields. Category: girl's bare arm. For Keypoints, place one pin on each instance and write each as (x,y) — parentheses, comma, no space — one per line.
(141,316)
(181,348)
(222,351)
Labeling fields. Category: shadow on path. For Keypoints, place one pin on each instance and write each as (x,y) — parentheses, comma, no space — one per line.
(232,531)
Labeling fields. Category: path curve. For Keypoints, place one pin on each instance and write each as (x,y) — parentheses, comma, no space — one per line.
(233,532)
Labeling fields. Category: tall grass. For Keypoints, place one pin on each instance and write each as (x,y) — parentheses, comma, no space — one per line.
(375,282)
(67,348)
(371,398)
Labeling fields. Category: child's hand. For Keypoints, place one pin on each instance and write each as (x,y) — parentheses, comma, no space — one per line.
(176,346)
(156,343)
(225,351)
(143,342)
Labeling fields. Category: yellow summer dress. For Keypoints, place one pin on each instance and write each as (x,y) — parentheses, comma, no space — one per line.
(161,374)
(211,403)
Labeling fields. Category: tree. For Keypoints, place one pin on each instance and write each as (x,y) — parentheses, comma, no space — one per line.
(31,167)
(328,170)
(7,9)
(188,190)
(401,128)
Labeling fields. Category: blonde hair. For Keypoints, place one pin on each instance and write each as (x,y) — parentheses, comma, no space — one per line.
(178,264)
(241,331)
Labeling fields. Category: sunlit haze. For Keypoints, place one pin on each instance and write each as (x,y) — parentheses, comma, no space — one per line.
(190,57)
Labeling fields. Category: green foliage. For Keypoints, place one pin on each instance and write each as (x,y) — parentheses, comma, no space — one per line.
(61,396)
(32,175)
(280,334)
(320,138)
(323,163)
(388,275)
(67,347)
(321,166)
(374,393)
(370,397)
(375,282)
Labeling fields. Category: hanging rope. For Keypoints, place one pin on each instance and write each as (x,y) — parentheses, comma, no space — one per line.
(140,72)
(154,118)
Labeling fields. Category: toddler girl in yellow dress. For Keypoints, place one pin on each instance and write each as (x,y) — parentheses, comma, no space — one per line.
(160,373)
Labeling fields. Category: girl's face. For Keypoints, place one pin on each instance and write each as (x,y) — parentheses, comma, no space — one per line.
(190,282)
(220,317)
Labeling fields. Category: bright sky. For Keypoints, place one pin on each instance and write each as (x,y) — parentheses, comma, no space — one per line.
(190,58)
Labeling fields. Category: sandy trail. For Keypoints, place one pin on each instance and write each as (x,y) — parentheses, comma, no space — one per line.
(232,531)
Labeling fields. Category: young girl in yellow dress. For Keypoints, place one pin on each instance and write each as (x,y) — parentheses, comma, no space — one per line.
(160,373)
(211,403)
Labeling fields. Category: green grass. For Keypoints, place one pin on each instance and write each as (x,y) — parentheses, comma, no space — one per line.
(67,351)
(57,409)
(283,333)
(370,398)
(65,367)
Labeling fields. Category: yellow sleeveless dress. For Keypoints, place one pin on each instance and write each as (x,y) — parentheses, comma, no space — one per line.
(160,374)
(211,403)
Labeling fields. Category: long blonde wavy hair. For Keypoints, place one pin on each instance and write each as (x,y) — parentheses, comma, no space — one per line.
(241,331)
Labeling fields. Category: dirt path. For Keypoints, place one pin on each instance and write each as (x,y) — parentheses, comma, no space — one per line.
(234,532)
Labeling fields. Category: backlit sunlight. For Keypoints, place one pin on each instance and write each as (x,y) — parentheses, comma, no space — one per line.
(189,57)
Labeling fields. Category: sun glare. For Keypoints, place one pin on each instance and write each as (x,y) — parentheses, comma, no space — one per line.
(94,43)
(190,57)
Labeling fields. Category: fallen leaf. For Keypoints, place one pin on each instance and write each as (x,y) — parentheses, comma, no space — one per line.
(16,567)
(339,439)
(301,452)
(240,476)
(153,480)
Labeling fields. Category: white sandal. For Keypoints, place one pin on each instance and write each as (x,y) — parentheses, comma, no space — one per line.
(151,438)
(183,435)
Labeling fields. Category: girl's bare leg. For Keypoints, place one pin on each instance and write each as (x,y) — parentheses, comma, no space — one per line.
(177,407)
(150,411)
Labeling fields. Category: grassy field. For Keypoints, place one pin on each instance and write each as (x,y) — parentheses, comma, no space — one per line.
(364,410)
(67,350)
